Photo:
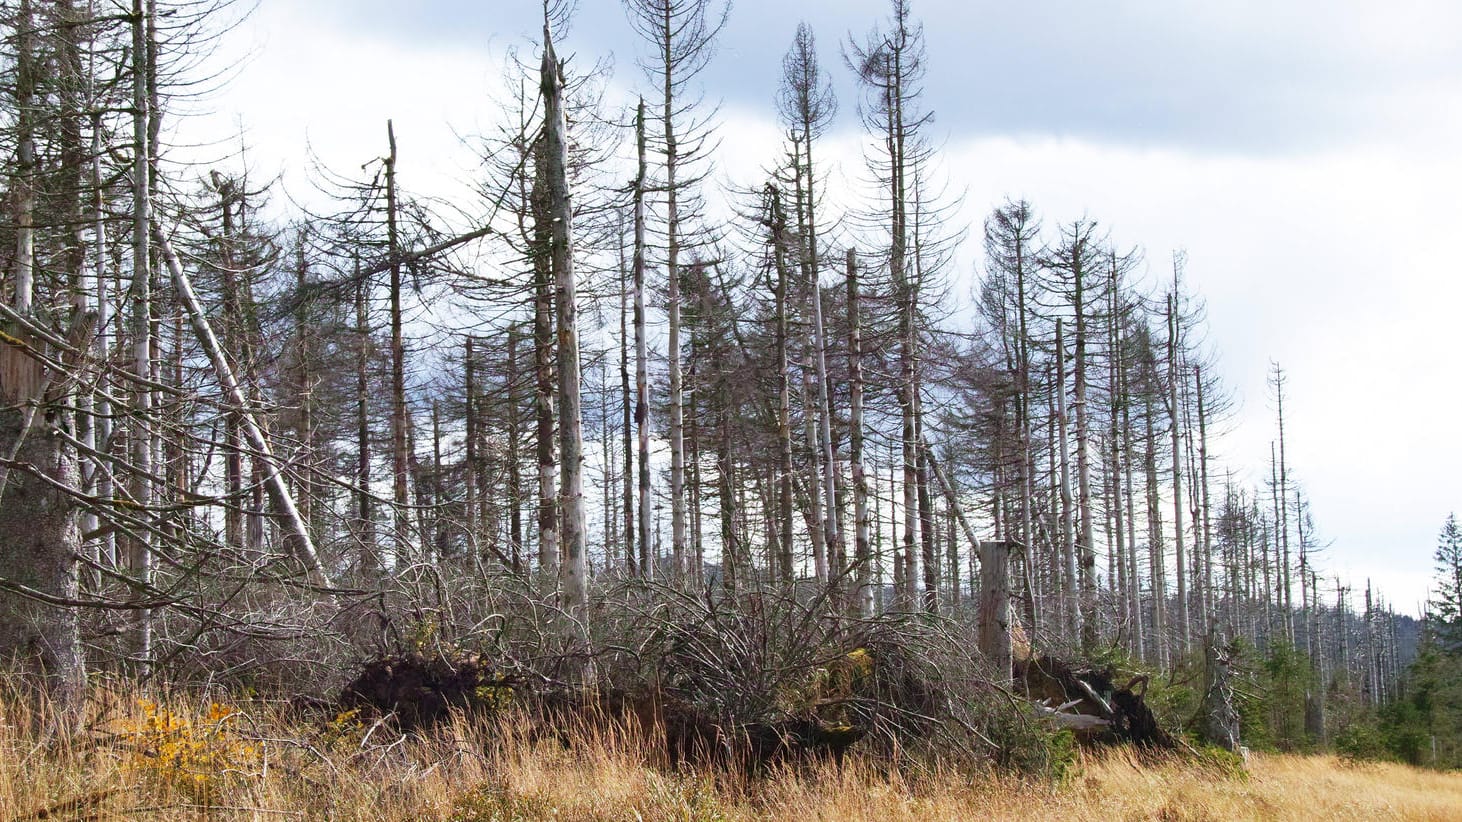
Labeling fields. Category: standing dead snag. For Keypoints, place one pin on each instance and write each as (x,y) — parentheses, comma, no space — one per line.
(681,34)
(1220,721)
(570,427)
(995,605)
(140,440)
(642,378)
(400,414)
(863,553)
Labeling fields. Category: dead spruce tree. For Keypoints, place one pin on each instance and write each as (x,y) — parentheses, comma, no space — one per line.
(681,34)
(574,576)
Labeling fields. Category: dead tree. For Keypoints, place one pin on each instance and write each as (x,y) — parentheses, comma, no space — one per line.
(574,575)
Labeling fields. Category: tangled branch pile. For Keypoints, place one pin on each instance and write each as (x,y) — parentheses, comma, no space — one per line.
(760,678)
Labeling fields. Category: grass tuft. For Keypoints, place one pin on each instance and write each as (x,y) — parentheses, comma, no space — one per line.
(139,756)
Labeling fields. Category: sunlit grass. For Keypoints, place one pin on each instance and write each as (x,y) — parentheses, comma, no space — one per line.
(137,757)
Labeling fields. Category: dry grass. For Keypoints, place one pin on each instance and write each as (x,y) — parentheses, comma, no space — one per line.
(141,760)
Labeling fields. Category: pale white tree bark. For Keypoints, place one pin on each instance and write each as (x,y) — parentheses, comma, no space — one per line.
(280,497)
(573,571)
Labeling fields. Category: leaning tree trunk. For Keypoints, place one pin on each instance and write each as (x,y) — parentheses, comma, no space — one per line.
(297,532)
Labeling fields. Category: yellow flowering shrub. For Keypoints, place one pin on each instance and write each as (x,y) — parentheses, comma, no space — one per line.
(192,754)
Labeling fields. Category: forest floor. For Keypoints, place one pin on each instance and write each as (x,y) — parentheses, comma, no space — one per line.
(138,760)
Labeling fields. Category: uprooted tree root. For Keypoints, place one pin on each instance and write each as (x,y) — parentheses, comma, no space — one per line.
(1099,711)
(419,691)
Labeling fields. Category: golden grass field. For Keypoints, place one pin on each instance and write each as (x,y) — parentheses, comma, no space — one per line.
(137,759)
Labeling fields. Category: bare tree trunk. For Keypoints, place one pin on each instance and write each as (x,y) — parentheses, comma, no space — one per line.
(1268,577)
(139,438)
(515,458)
(902,591)
(305,383)
(471,522)
(72,97)
(400,457)
(731,551)
(39,529)
(823,442)
(1056,611)
(672,306)
(1134,578)
(543,361)
(880,560)
(863,558)
(926,532)
(39,521)
(642,380)
(1155,550)
(1309,598)
(1072,622)
(1281,514)
(233,459)
(574,575)
(816,523)
(608,479)
(910,490)
(1088,583)
(694,564)
(626,407)
(1210,611)
(784,388)
(23,192)
(1220,719)
(1126,574)
(1027,450)
(370,560)
(280,498)
(994,614)
(1175,416)
(951,554)
(107,551)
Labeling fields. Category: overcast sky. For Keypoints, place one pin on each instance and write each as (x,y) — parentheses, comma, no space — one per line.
(1307,155)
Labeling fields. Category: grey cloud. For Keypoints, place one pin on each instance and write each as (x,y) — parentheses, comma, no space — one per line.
(1235,77)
